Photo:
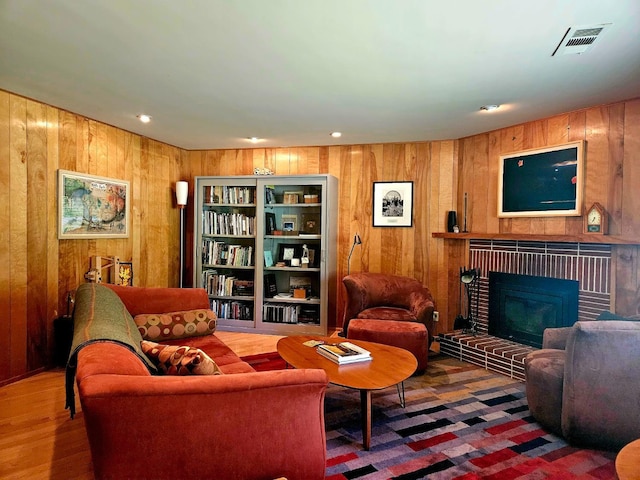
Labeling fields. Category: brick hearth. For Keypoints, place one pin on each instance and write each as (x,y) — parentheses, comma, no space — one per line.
(587,263)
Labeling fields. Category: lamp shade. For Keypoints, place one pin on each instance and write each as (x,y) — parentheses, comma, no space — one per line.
(182,192)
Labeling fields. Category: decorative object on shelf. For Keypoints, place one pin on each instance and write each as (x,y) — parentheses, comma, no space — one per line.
(470,279)
(542,182)
(99,265)
(182,192)
(452,220)
(125,274)
(356,241)
(304,259)
(268,259)
(292,197)
(595,220)
(262,171)
(92,207)
(393,204)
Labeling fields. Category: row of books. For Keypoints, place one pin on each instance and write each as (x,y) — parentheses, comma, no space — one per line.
(343,352)
(276,313)
(234,310)
(230,195)
(215,252)
(225,285)
(220,223)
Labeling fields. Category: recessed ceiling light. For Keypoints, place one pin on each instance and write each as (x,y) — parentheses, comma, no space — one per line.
(253,139)
(336,134)
(144,118)
(489,108)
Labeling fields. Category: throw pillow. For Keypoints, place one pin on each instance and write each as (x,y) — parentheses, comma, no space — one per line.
(176,325)
(179,360)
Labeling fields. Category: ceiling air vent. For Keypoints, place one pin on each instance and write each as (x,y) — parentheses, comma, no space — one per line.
(579,39)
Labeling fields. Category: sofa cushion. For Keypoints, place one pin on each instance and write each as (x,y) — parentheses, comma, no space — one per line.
(180,360)
(176,325)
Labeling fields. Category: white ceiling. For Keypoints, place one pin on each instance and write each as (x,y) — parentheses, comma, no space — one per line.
(213,72)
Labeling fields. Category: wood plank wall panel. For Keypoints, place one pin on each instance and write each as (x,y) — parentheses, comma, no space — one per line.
(5,233)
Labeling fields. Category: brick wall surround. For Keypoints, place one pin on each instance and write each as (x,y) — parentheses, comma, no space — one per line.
(590,264)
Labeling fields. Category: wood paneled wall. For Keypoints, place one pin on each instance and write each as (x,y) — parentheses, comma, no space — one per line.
(36,140)
(411,251)
(612,173)
(39,270)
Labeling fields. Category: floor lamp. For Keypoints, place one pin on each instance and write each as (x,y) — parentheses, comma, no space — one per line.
(356,241)
(182,192)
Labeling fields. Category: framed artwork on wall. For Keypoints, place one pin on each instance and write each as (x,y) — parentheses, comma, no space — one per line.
(92,207)
(392,204)
(543,182)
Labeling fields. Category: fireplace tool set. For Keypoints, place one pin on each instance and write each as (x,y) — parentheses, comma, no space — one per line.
(470,278)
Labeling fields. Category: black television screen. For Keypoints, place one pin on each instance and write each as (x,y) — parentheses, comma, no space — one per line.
(541,182)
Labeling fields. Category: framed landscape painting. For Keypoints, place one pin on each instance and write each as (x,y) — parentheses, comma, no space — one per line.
(92,207)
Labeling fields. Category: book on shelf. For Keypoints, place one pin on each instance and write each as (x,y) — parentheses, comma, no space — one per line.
(343,352)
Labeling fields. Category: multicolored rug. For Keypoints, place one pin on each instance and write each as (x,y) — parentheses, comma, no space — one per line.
(460,422)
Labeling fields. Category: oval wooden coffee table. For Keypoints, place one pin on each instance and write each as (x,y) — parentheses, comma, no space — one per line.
(388,366)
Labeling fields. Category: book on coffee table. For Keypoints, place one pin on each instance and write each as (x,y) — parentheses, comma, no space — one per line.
(343,352)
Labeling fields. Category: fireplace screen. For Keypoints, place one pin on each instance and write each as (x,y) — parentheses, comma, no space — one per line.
(522,306)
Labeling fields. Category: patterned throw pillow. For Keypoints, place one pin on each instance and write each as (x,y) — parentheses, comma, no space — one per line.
(175,325)
(178,360)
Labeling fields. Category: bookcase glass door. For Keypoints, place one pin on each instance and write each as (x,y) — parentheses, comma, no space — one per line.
(225,259)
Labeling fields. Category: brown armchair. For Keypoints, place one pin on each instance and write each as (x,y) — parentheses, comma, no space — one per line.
(387,297)
(389,309)
(583,384)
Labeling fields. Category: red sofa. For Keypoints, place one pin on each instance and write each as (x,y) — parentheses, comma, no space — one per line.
(242,424)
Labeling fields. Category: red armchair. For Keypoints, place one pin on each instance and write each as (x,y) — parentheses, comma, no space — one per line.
(390,309)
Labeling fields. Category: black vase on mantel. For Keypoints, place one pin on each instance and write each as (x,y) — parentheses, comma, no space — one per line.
(452,220)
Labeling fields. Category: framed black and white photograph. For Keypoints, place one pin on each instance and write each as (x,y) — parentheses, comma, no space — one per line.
(392,204)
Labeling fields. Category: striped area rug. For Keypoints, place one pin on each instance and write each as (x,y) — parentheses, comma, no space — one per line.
(460,422)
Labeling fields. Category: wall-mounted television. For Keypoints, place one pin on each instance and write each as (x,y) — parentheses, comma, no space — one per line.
(542,182)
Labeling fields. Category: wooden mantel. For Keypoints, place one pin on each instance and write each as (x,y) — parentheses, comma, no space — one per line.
(604,239)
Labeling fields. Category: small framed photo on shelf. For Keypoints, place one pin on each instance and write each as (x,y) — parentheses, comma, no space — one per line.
(289,251)
(392,204)
(310,223)
(269,223)
(290,223)
(125,274)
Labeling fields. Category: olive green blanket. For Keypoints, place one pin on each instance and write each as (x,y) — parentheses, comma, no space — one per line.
(100,316)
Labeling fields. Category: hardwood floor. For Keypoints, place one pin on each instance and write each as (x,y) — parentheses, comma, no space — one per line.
(38,439)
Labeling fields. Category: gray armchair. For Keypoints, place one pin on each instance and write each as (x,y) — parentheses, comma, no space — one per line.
(585,383)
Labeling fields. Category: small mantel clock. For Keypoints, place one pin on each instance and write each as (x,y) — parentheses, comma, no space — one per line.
(595,219)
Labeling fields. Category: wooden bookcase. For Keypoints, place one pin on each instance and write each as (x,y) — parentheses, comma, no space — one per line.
(265,251)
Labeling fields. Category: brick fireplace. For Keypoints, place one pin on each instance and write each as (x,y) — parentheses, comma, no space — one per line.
(589,264)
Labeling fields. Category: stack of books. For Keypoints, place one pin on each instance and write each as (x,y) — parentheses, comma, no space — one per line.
(344,352)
